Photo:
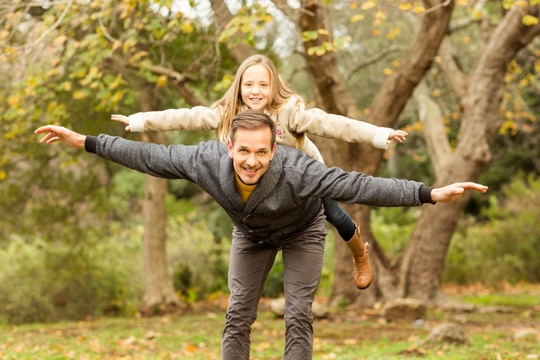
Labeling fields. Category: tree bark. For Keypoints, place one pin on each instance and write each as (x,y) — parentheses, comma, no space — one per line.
(159,296)
(387,106)
(223,16)
(423,257)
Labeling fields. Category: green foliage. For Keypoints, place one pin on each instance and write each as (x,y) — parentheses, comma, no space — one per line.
(198,336)
(392,227)
(505,247)
(244,25)
(197,251)
(274,283)
(50,282)
(525,301)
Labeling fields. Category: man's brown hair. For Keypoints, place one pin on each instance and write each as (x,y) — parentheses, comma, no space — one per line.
(253,120)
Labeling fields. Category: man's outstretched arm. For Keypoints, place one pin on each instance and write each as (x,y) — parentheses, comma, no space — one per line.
(59,133)
(454,191)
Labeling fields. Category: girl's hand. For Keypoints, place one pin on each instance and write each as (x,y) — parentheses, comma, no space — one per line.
(122,119)
(398,135)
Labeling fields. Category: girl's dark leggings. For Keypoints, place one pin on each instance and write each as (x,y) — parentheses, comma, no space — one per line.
(339,218)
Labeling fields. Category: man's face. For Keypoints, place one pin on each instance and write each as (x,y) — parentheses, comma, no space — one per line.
(251,153)
(255,87)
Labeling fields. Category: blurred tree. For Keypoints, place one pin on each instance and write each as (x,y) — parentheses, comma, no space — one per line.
(64,59)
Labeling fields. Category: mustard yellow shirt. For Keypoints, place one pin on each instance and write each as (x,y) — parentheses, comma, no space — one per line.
(244,190)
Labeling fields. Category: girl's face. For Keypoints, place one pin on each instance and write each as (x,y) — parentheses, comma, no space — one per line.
(255,87)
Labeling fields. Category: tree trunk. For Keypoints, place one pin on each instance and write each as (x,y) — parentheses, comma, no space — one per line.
(387,106)
(223,16)
(159,296)
(423,257)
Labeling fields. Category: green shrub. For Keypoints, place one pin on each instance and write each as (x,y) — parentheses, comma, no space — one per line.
(50,282)
(392,227)
(506,247)
(273,287)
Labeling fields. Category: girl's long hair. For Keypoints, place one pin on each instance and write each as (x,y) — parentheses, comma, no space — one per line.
(231,103)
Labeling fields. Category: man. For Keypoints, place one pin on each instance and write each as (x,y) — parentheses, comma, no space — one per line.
(272,195)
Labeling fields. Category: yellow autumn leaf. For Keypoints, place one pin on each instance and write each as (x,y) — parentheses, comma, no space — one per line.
(2,175)
(66,85)
(77,95)
(93,70)
(376,32)
(419,9)
(368,5)
(60,40)
(162,80)
(353,5)
(529,20)
(13,100)
(466,39)
(521,3)
(405,6)
(323,31)
(395,63)
(387,71)
(357,17)
(477,15)
(186,27)
(117,96)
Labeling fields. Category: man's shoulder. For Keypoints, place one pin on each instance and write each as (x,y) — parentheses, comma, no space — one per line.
(212,145)
(289,154)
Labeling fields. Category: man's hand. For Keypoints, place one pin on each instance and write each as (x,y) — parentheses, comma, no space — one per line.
(454,191)
(59,133)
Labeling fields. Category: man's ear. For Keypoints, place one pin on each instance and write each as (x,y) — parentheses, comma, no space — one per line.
(273,151)
(230,148)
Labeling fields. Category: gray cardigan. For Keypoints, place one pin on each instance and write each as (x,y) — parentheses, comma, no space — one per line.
(287,197)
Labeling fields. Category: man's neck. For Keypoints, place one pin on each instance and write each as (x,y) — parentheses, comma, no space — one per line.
(245,190)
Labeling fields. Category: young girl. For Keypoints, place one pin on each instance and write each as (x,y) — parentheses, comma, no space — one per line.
(257,86)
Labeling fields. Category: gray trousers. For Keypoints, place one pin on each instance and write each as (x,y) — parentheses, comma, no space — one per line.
(249,266)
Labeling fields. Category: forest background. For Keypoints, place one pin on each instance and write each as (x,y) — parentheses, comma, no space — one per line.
(82,237)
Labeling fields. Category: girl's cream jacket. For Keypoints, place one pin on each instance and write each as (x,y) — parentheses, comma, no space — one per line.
(293,122)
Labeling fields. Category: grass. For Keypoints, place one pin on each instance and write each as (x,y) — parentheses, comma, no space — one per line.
(344,335)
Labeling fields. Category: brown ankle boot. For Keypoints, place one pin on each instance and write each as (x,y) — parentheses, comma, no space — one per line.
(362,270)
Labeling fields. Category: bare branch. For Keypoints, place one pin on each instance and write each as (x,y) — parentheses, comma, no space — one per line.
(28,47)
(289,12)
(380,56)
(436,7)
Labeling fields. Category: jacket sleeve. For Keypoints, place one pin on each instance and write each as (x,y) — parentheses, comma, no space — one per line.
(317,122)
(196,118)
(169,162)
(311,178)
